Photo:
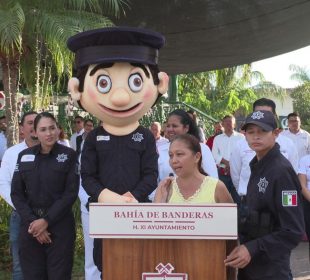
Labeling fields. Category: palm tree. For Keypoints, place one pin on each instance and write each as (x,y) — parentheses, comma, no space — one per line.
(33,35)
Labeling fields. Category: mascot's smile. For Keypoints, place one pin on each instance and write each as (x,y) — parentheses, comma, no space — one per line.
(124,113)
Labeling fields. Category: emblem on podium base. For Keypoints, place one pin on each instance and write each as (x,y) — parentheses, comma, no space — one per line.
(164,273)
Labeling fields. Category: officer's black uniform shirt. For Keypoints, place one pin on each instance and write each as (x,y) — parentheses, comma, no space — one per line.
(119,163)
(271,179)
(45,181)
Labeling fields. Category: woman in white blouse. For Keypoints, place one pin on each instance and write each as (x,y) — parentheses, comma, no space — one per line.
(179,122)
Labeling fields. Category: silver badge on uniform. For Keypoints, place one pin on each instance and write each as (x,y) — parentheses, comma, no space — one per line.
(137,137)
(62,157)
(262,185)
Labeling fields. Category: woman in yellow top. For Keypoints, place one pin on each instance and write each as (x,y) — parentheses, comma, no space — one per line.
(192,184)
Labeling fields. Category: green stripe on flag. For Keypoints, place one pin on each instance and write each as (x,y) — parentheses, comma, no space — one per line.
(285,199)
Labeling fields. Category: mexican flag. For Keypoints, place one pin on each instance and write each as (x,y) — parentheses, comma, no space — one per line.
(289,198)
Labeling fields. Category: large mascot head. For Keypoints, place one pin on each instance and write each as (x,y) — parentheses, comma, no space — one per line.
(117,77)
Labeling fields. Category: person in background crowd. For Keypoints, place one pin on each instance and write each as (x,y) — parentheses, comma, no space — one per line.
(304,178)
(156,129)
(300,137)
(192,184)
(62,137)
(91,270)
(21,136)
(44,188)
(88,127)
(163,131)
(223,145)
(218,129)
(6,174)
(241,130)
(3,141)
(193,115)
(179,122)
(79,130)
(243,154)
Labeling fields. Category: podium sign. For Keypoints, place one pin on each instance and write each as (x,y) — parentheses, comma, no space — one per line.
(163,221)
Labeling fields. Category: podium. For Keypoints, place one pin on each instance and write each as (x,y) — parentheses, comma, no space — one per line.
(165,241)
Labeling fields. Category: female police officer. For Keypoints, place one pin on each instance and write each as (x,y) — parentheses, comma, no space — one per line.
(44,188)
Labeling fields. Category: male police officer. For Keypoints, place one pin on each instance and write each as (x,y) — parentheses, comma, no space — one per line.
(274,224)
(118,81)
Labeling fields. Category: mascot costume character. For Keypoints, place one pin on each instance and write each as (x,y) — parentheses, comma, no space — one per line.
(118,81)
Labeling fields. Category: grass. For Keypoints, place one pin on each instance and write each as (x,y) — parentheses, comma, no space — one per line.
(5,257)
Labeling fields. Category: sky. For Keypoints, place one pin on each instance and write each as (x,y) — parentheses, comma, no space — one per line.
(276,69)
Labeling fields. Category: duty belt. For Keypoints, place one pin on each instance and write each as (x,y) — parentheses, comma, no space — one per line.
(40,212)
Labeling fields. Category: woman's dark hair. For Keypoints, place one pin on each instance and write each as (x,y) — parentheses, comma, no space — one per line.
(185,119)
(194,145)
(43,115)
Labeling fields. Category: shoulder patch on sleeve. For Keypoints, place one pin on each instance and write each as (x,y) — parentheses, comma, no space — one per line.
(289,198)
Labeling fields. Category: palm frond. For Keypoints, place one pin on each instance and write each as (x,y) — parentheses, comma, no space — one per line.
(301,74)
(12,22)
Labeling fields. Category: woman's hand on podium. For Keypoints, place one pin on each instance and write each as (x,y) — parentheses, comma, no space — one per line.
(238,258)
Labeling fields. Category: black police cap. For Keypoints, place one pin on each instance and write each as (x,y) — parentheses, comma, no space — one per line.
(116,44)
(263,119)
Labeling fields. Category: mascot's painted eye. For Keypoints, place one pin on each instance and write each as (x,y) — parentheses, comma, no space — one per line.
(135,82)
(104,84)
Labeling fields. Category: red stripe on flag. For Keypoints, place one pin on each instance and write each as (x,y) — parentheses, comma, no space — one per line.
(294,199)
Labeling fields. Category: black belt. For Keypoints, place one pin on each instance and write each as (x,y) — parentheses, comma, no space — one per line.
(40,212)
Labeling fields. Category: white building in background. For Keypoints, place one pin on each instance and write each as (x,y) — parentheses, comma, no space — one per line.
(284,107)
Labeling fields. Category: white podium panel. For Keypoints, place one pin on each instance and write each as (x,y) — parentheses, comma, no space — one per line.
(163,221)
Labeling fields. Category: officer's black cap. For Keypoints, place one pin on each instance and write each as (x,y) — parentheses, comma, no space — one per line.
(263,119)
(116,44)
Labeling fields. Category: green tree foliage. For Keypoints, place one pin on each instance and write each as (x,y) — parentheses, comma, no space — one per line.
(301,101)
(219,92)
(301,94)
(33,52)
(226,91)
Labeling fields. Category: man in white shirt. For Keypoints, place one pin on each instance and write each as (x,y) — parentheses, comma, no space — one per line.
(223,146)
(6,174)
(300,137)
(3,140)
(156,129)
(243,154)
(79,130)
